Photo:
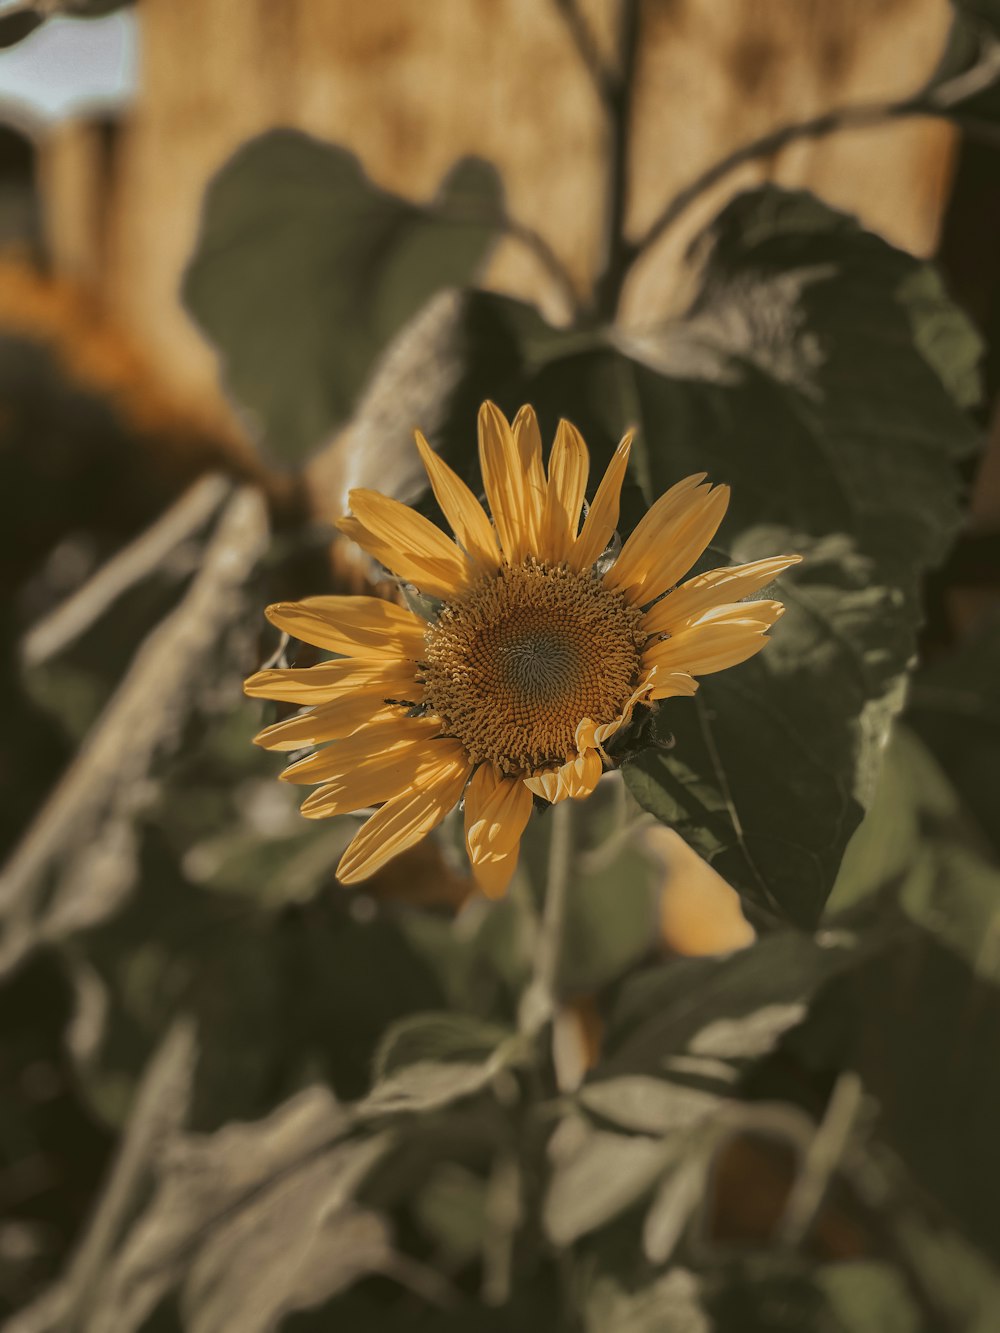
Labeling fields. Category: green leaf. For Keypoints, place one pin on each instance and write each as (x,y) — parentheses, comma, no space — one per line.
(727,1009)
(822,374)
(646,1105)
(305,269)
(443,1037)
(597,1175)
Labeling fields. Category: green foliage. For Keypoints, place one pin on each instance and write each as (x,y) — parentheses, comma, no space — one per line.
(331,1109)
(304,268)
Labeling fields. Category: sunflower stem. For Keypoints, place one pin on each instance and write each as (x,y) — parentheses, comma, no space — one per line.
(540,999)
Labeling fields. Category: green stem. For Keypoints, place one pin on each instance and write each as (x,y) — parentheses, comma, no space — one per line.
(540,1000)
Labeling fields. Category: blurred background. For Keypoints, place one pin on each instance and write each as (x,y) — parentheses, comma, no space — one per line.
(111,405)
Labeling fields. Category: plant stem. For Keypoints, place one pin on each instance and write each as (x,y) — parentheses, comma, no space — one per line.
(617,96)
(539,1003)
(936,101)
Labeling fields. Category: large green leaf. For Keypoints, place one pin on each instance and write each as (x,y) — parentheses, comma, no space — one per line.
(822,374)
(304,269)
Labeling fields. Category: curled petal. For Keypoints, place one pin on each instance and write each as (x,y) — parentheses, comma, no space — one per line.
(576,778)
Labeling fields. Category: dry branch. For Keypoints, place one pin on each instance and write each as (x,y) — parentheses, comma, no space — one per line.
(78,858)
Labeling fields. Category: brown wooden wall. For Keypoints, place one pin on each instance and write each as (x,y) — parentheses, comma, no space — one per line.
(410,85)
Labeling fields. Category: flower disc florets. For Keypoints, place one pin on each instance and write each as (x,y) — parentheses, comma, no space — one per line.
(513,666)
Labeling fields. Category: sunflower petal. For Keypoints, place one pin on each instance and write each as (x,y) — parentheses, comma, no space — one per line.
(577,778)
(331,680)
(460,507)
(433,577)
(409,536)
(672,685)
(379,778)
(668,539)
(602,516)
(355,626)
(528,443)
(722,638)
(590,734)
(497,810)
(405,819)
(505,481)
(569,467)
(337,762)
(692,599)
(329,722)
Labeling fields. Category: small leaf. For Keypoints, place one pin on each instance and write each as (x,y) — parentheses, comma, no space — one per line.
(730,1008)
(443,1037)
(676,1202)
(647,1105)
(597,1177)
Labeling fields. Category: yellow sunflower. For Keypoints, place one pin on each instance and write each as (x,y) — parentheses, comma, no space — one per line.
(537,647)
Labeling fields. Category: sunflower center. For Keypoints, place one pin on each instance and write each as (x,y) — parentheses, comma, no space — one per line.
(516,664)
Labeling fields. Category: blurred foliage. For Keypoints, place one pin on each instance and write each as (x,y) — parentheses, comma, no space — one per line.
(317,1108)
(294,227)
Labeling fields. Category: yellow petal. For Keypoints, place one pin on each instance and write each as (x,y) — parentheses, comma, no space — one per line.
(569,467)
(379,778)
(528,443)
(602,516)
(723,638)
(409,537)
(577,778)
(497,810)
(328,722)
(505,482)
(433,577)
(673,684)
(336,762)
(590,734)
(692,599)
(668,539)
(355,626)
(462,510)
(331,680)
(405,819)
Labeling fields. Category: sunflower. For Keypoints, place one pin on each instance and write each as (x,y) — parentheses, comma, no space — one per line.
(536,648)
